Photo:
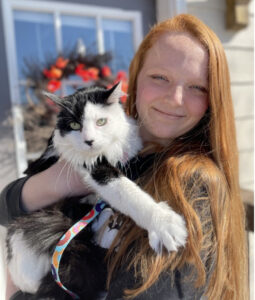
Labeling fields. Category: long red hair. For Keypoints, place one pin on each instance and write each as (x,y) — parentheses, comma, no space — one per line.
(198,176)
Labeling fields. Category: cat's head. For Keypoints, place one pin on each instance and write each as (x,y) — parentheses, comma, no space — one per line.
(90,124)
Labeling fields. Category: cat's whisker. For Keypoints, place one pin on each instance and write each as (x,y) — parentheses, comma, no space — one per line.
(60,173)
(58,177)
(69,173)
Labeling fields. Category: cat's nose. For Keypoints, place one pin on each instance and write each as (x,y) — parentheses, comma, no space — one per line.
(89,142)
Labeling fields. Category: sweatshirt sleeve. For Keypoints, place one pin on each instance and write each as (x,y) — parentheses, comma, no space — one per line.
(174,286)
(10,201)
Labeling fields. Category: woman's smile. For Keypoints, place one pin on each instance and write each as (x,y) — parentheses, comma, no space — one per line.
(169,115)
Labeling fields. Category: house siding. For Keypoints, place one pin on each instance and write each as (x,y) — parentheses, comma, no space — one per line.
(239,47)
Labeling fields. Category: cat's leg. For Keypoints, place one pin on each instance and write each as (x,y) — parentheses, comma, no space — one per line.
(165,227)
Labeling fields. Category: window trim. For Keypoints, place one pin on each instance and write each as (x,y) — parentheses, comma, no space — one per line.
(56,8)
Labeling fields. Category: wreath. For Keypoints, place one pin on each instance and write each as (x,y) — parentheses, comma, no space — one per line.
(40,114)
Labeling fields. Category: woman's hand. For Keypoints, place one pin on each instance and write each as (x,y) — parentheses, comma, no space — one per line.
(57,182)
(11,288)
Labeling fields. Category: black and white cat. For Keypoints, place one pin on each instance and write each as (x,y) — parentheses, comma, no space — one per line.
(95,136)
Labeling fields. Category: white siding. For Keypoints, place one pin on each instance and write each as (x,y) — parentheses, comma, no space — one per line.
(240,61)
(246,163)
(239,46)
(245,134)
(243,100)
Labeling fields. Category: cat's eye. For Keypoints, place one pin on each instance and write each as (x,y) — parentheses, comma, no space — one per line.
(75,126)
(101,122)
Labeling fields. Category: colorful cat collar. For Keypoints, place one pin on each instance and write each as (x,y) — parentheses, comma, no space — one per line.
(66,239)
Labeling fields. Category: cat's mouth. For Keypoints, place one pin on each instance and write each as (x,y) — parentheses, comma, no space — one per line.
(92,148)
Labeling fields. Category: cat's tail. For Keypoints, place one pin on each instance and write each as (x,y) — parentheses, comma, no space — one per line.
(31,240)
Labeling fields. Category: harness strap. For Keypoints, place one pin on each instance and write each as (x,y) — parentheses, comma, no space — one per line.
(66,239)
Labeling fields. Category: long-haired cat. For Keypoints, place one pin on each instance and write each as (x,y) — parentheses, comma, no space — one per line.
(94,135)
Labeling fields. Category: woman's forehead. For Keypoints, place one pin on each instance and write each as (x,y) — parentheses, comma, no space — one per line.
(170,44)
(177,50)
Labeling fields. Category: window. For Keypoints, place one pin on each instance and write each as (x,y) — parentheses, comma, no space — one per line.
(118,39)
(34,37)
(37,30)
(41,35)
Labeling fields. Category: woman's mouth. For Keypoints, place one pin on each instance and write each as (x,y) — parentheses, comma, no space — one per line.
(169,114)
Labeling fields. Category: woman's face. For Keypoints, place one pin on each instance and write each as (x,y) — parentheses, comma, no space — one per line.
(172,87)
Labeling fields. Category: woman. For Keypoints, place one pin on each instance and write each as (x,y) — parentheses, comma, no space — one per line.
(179,91)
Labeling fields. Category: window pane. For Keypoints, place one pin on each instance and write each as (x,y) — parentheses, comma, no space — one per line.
(35,38)
(82,29)
(118,39)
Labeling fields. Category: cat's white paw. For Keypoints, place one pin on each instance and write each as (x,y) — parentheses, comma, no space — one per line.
(167,228)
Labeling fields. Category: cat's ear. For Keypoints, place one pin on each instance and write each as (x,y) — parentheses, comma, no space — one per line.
(57,100)
(61,102)
(116,93)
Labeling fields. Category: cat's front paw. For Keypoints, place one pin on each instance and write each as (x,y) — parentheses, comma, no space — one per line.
(167,229)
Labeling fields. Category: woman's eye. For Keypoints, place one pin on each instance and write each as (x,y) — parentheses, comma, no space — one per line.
(75,126)
(101,122)
(159,77)
(199,88)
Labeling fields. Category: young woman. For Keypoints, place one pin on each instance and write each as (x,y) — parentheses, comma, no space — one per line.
(179,91)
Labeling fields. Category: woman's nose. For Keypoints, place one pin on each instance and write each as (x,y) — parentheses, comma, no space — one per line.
(175,95)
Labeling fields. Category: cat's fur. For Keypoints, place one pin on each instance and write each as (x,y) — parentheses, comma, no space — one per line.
(95,151)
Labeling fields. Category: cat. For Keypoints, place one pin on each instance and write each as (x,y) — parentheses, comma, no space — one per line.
(96,137)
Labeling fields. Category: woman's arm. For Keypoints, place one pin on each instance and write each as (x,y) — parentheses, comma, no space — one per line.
(28,194)
(11,288)
(45,188)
